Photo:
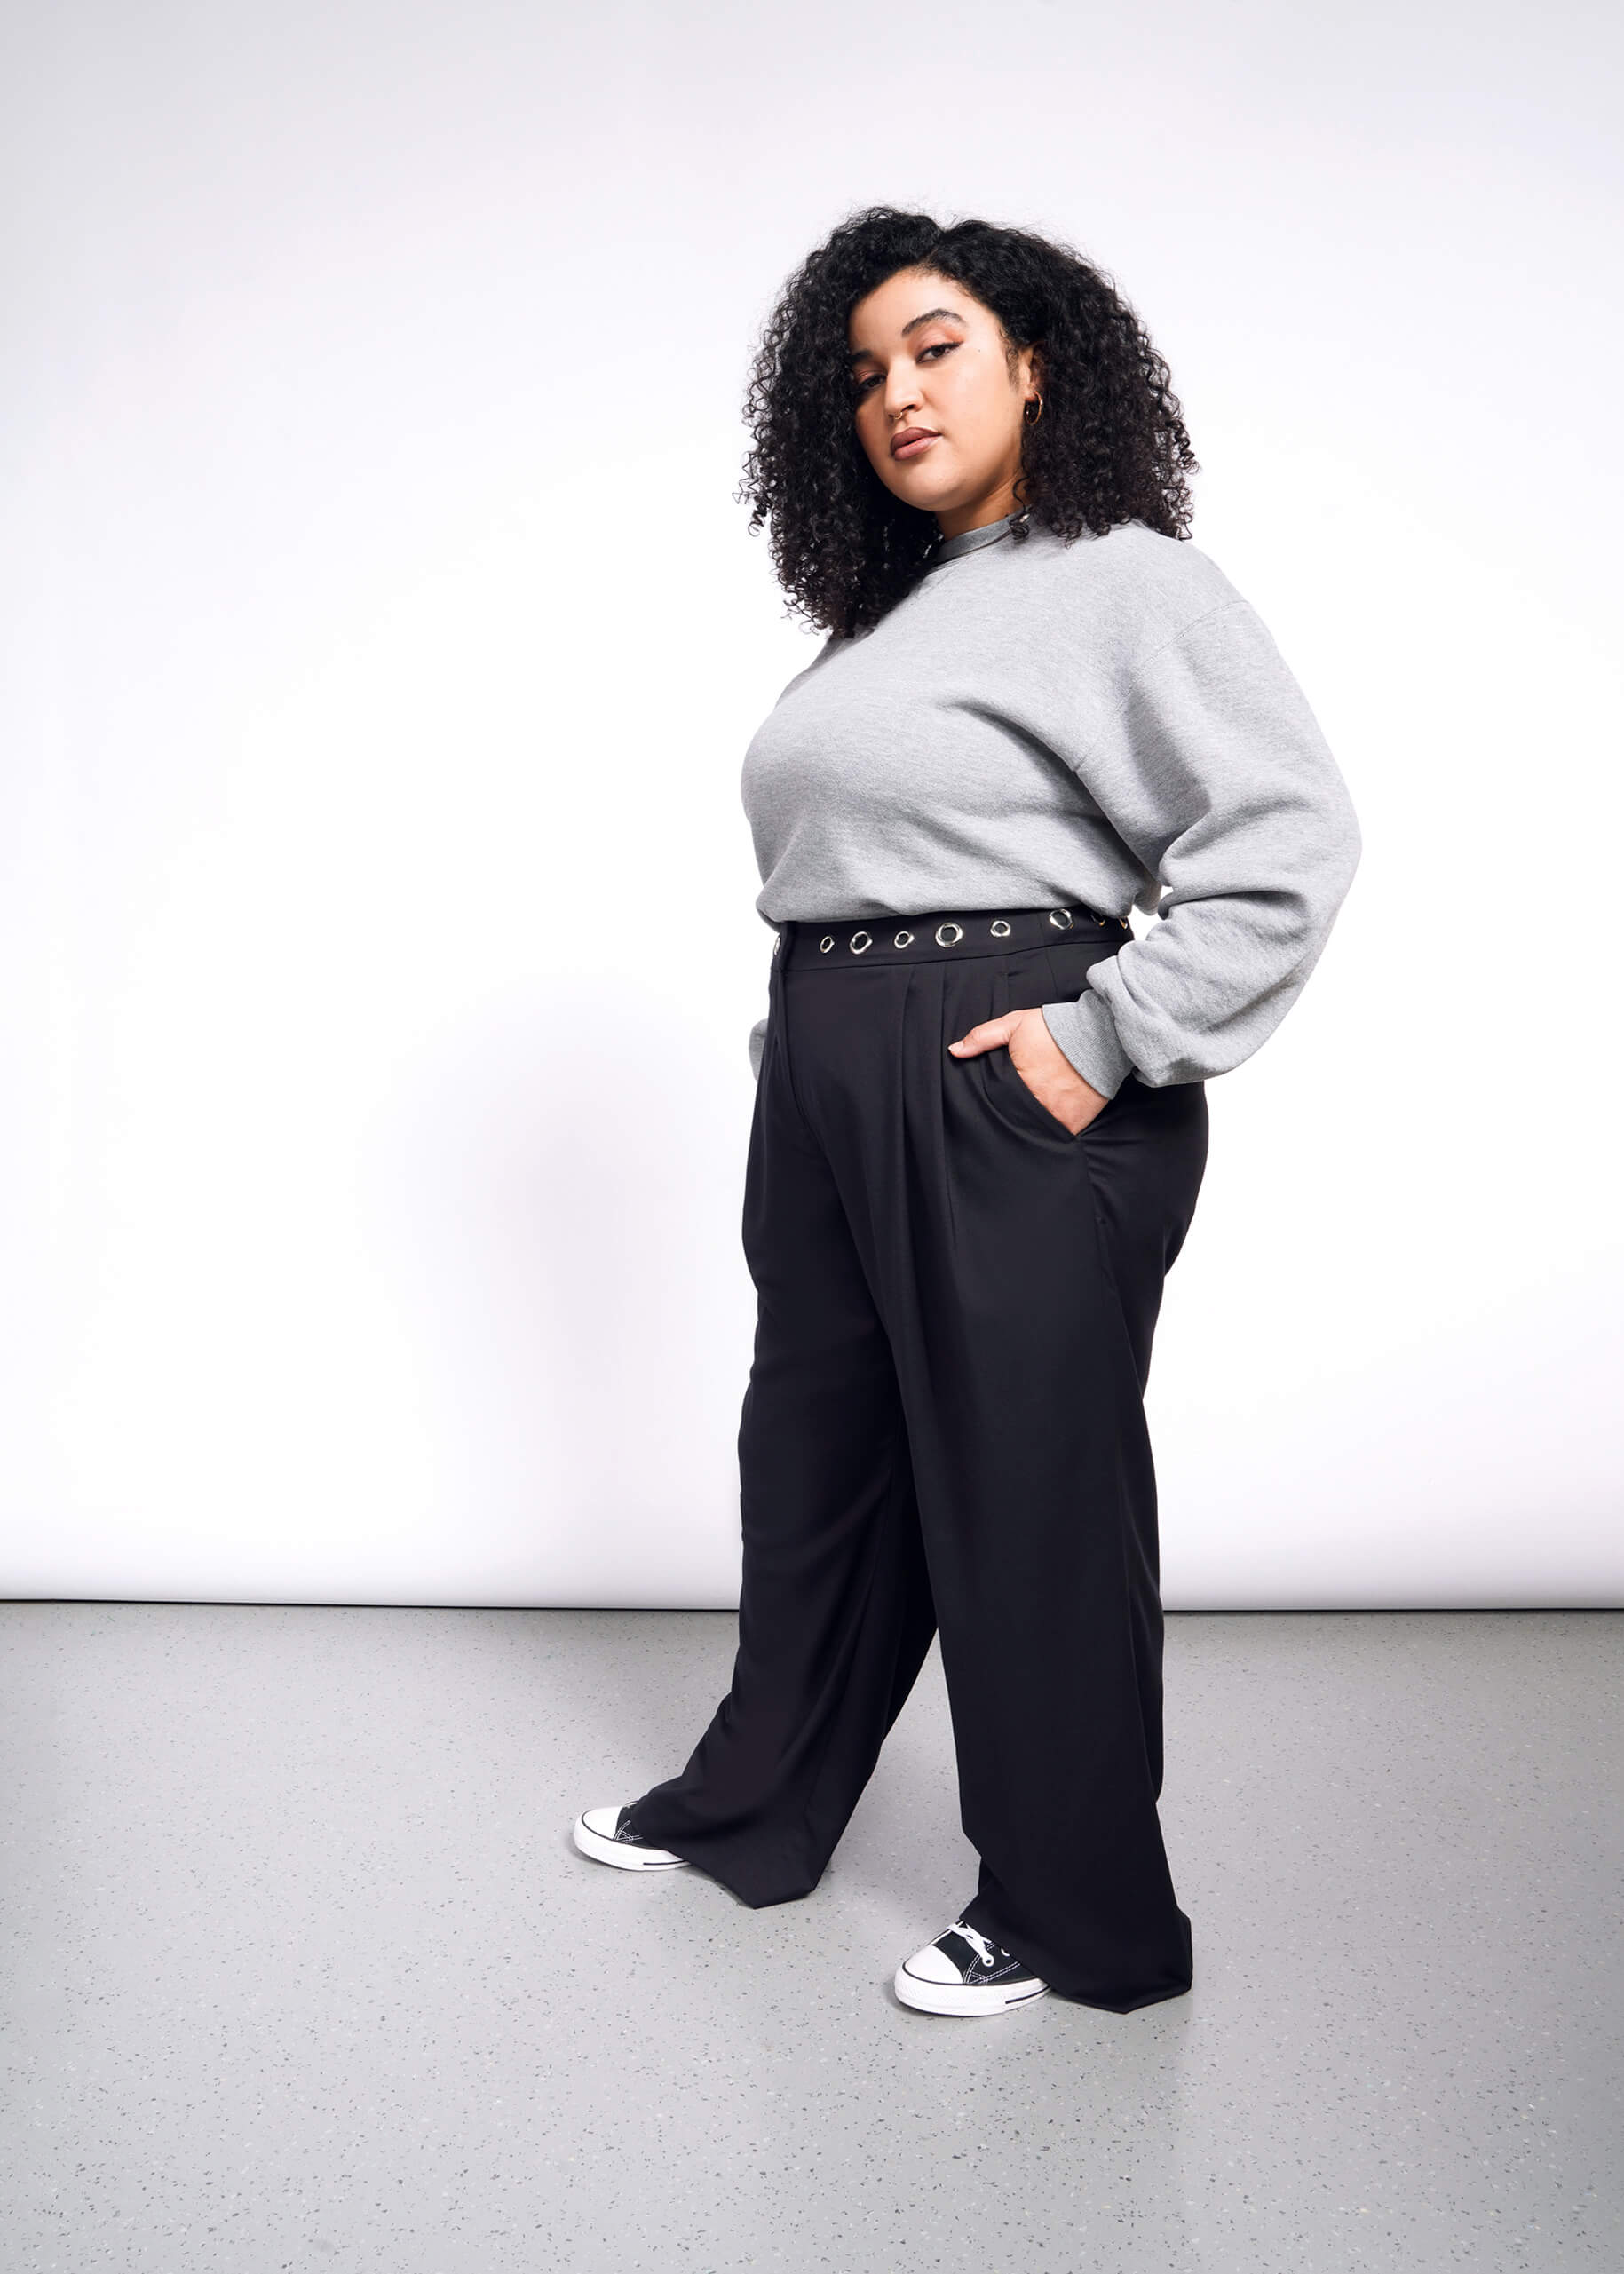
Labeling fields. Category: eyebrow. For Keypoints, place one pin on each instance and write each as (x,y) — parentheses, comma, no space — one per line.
(912,324)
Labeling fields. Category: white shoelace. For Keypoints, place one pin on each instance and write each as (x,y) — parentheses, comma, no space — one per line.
(988,1951)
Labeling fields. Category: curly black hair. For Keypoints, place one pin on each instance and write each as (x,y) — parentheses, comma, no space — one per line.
(1111,445)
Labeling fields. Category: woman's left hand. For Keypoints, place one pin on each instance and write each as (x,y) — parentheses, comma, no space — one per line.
(1040,1063)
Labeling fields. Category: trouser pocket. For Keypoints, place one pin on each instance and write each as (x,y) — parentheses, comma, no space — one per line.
(1025,982)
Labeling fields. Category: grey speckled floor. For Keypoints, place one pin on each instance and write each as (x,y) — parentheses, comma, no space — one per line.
(304,1972)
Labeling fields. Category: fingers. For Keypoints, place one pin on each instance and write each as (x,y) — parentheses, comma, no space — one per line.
(991,1034)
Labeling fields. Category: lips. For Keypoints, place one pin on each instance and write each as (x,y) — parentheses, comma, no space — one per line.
(912,441)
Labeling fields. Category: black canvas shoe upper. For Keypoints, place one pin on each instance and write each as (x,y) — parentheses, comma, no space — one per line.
(979,1959)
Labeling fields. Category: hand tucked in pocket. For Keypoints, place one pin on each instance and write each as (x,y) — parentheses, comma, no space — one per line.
(1040,1063)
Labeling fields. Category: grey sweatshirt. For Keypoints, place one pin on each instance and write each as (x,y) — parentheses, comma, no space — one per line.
(1039,725)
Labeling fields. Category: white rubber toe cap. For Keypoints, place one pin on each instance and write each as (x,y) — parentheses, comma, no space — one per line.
(931,1965)
(601,1821)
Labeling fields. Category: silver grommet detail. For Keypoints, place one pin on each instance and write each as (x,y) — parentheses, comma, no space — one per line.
(903,940)
(957,930)
(1001,930)
(826,943)
(1061,919)
(856,936)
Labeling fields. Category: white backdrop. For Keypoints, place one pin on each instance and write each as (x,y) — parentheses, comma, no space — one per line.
(381,618)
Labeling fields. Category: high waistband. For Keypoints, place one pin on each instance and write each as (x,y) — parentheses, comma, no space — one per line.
(868,940)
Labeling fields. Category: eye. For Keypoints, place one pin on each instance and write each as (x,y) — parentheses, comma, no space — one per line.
(859,387)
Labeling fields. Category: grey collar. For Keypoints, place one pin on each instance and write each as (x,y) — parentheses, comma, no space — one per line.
(950,548)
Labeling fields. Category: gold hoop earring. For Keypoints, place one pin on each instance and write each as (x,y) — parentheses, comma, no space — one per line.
(1026,417)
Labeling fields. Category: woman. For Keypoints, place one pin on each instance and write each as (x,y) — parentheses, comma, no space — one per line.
(980,1120)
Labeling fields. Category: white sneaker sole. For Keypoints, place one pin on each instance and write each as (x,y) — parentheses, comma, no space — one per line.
(617,1852)
(960,1998)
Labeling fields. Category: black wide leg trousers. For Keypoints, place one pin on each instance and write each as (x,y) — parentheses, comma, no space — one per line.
(944,1431)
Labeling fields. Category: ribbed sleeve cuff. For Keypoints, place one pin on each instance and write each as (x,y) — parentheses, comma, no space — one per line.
(1087,1033)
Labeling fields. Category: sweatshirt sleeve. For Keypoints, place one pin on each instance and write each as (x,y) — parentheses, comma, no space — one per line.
(1216,775)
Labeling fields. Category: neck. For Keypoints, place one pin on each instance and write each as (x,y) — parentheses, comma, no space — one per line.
(957,518)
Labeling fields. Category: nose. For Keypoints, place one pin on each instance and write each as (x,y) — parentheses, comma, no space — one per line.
(901,395)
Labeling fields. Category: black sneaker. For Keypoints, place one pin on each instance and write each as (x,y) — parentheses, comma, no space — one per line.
(604,1834)
(964,1972)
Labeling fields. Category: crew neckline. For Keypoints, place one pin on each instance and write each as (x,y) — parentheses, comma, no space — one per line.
(967,540)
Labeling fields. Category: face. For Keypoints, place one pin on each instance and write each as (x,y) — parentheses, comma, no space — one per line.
(929,358)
